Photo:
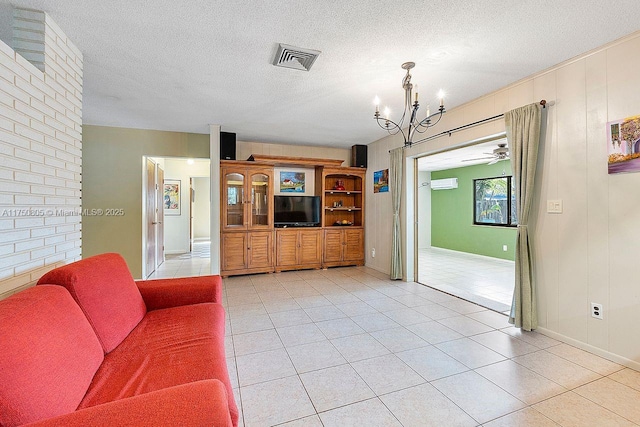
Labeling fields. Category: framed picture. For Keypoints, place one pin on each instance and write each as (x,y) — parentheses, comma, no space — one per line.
(623,145)
(381,181)
(171,196)
(292,182)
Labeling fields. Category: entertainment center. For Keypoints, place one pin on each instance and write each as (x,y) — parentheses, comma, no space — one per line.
(266,232)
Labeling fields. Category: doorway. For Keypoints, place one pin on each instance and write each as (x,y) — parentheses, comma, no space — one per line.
(183,233)
(455,252)
(153,215)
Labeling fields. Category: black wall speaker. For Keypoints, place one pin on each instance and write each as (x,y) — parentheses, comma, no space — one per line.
(227,146)
(359,156)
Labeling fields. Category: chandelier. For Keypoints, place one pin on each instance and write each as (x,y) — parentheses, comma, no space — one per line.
(411,107)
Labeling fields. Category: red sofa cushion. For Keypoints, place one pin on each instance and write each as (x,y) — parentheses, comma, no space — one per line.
(105,291)
(48,355)
(203,403)
(169,347)
(165,293)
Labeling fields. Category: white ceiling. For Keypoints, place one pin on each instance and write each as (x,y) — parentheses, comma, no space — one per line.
(183,64)
(477,154)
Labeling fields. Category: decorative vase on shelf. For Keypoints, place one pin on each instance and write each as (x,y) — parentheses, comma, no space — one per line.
(339,185)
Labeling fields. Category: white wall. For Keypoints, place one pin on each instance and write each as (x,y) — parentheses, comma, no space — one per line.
(424,210)
(589,252)
(201,208)
(176,227)
(40,151)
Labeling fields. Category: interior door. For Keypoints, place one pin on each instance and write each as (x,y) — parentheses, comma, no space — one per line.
(150,218)
(159,217)
(190,214)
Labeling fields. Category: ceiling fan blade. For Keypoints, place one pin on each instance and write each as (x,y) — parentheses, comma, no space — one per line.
(478,158)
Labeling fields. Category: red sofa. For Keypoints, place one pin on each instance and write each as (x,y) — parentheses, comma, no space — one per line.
(102,349)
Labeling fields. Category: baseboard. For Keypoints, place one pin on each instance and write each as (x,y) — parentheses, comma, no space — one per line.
(175,252)
(591,349)
(437,248)
(202,239)
(376,269)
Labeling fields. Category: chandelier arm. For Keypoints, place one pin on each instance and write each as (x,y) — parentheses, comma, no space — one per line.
(426,122)
(396,127)
(390,129)
(439,117)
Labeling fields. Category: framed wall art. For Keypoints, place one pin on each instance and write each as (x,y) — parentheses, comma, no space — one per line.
(171,196)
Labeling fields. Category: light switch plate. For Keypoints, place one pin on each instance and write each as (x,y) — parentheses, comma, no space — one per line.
(554,206)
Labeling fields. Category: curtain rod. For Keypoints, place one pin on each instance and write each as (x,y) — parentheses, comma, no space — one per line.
(459,128)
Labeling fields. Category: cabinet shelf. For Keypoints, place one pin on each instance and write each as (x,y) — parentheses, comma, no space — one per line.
(347,209)
(347,192)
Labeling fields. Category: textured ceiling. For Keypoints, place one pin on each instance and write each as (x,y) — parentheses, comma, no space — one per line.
(477,154)
(182,64)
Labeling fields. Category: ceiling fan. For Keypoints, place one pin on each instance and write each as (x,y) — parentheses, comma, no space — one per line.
(500,153)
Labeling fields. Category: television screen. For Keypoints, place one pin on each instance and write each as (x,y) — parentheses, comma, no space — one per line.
(296,210)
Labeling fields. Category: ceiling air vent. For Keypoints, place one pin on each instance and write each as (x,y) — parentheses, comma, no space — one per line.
(295,57)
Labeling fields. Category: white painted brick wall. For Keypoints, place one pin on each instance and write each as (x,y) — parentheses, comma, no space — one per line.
(40,151)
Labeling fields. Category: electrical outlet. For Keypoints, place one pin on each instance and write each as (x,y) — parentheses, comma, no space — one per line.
(504,248)
(373,253)
(597,311)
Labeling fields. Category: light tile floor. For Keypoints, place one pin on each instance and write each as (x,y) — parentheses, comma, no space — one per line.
(196,263)
(484,280)
(348,347)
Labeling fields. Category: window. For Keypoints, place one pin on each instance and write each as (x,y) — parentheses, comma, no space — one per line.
(494,201)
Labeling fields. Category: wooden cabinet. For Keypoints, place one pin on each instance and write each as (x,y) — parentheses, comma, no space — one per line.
(343,247)
(249,242)
(298,248)
(342,215)
(246,218)
(246,197)
(342,196)
(246,252)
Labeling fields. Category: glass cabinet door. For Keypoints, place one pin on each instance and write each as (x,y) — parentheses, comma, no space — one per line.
(234,184)
(260,199)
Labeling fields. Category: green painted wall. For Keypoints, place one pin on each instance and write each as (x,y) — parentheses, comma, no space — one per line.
(452,215)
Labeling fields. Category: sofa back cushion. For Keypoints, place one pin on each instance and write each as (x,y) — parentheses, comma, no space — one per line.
(105,291)
(48,356)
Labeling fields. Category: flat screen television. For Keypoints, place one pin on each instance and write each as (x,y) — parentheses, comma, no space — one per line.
(296,211)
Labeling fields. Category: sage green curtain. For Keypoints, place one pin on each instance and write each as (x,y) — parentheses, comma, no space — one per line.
(523,136)
(395,184)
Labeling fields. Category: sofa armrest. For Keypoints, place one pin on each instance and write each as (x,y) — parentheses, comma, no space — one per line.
(201,403)
(165,293)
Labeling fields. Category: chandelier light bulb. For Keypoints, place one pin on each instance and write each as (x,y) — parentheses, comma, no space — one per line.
(387,113)
(441,97)
(376,102)
(415,87)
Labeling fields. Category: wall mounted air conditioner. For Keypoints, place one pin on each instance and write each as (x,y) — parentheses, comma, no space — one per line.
(444,184)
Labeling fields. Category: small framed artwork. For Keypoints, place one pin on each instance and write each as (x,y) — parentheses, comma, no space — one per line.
(171,196)
(381,181)
(623,145)
(292,182)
